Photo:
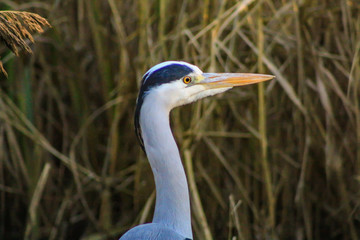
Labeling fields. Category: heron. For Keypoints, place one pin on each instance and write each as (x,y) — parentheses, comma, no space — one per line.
(166,86)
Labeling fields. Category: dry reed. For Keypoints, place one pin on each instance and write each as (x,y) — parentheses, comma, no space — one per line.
(274,161)
(15,28)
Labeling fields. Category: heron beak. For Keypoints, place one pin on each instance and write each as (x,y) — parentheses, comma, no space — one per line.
(225,80)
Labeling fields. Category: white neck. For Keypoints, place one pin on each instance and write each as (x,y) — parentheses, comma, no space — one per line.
(172,194)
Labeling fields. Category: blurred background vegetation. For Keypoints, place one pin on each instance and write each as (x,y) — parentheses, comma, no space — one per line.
(279,160)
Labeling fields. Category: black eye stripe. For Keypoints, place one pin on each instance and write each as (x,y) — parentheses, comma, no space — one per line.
(163,75)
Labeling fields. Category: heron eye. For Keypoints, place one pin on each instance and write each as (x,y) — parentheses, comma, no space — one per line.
(187,80)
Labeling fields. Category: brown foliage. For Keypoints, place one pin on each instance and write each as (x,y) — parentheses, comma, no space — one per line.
(15,28)
(289,168)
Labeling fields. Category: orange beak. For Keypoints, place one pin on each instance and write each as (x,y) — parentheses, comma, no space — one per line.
(225,80)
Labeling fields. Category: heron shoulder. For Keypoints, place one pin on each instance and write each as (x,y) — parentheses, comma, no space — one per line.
(152,231)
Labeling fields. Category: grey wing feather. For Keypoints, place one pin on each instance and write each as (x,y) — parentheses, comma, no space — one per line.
(152,231)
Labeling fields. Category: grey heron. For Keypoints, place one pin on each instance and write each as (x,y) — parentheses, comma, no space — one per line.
(166,86)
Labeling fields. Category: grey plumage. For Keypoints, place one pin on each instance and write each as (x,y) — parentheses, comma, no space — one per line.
(152,231)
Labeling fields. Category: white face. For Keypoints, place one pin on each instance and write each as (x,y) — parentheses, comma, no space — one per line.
(179,92)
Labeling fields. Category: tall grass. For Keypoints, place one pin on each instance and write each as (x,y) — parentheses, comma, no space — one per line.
(279,160)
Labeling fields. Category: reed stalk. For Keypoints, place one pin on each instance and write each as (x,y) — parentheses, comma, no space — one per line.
(279,160)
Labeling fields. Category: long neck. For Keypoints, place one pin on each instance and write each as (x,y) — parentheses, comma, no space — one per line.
(172,206)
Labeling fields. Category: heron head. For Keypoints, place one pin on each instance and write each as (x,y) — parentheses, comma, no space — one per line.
(176,83)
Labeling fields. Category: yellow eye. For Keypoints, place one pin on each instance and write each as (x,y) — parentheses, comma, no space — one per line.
(187,80)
